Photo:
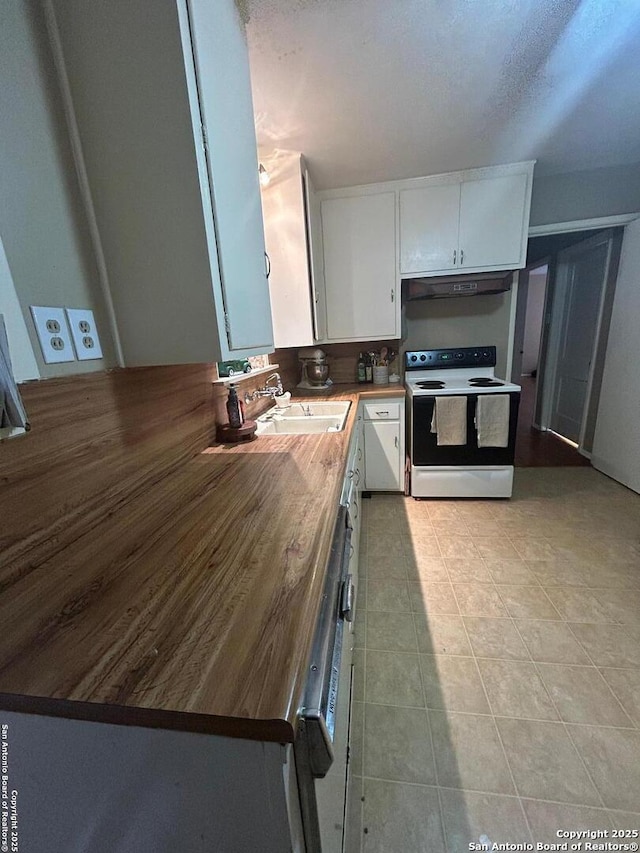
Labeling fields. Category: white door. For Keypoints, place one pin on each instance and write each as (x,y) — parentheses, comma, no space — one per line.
(382,455)
(519,325)
(429,228)
(224,89)
(581,276)
(492,220)
(360,270)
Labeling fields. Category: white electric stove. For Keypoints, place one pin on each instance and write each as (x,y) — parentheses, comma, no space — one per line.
(464,470)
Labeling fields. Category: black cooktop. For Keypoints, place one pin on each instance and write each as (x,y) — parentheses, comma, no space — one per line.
(429,384)
(484,382)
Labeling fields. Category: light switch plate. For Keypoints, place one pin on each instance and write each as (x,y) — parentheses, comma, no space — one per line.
(53,334)
(85,334)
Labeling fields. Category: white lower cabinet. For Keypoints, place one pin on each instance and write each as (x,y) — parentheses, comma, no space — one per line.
(384,444)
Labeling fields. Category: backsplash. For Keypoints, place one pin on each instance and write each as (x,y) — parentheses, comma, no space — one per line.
(342,358)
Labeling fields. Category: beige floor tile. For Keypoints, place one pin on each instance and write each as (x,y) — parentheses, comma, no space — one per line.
(453,684)
(475,599)
(468,571)
(426,568)
(577,553)
(581,695)
(393,678)
(527,602)
(353,827)
(392,595)
(397,745)
(495,638)
(491,546)
(608,645)
(625,683)
(469,816)
(485,528)
(468,753)
(552,642)
(613,576)
(358,674)
(559,573)
(450,527)
(625,820)
(443,510)
(432,598)
(578,605)
(458,547)
(417,548)
(515,689)
(391,632)
(385,566)
(401,817)
(534,549)
(510,571)
(441,634)
(545,819)
(360,621)
(544,763)
(381,545)
(622,605)
(612,757)
(618,549)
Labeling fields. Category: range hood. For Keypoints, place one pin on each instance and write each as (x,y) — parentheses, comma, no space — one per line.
(442,286)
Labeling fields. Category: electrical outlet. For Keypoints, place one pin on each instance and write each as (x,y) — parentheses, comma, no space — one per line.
(53,334)
(85,334)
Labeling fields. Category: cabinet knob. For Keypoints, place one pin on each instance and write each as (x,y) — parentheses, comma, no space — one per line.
(455,254)
(267,264)
(461,256)
(395,441)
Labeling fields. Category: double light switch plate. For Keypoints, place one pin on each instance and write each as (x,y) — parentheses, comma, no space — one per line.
(52,326)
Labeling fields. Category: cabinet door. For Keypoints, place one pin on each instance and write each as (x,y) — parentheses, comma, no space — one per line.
(360,268)
(382,448)
(315,258)
(224,90)
(492,222)
(429,228)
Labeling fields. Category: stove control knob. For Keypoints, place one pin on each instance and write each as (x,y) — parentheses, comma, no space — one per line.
(459,355)
(414,358)
(423,357)
(486,354)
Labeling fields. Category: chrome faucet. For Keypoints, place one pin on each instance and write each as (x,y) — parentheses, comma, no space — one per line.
(268,391)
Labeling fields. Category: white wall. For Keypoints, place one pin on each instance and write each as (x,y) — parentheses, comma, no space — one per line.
(533,320)
(616,444)
(585,195)
(42,221)
(460,322)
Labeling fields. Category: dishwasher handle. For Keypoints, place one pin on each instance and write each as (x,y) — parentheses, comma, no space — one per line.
(347,598)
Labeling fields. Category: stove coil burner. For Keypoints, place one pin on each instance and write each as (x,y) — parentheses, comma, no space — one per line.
(482,382)
(430,384)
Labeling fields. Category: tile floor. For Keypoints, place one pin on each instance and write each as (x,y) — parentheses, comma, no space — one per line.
(497,666)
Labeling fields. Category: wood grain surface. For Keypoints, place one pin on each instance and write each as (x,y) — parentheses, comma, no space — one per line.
(149,578)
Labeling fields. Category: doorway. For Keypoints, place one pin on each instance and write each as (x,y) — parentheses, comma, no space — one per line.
(561,326)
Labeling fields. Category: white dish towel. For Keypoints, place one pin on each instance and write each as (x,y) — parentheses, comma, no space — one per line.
(492,420)
(449,420)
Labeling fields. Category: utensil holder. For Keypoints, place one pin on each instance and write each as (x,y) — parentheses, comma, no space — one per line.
(381,375)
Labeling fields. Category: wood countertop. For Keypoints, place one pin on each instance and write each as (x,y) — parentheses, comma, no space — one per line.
(193,604)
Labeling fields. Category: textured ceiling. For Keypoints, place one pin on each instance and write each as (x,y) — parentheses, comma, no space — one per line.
(374,90)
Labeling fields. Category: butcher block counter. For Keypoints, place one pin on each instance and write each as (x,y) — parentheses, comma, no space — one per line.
(189,605)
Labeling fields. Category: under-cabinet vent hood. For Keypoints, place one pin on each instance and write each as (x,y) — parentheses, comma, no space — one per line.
(439,287)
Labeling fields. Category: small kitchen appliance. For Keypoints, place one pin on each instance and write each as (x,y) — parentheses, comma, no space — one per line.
(468,469)
(315,370)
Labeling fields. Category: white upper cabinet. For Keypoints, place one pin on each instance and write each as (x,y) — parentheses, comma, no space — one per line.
(293,235)
(432,211)
(465,222)
(161,121)
(492,222)
(360,267)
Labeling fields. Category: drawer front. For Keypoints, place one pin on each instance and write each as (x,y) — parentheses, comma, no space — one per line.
(382,410)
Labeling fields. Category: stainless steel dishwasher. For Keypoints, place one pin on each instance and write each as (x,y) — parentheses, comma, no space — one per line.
(321,748)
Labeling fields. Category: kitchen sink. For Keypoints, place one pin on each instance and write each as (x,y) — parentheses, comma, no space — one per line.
(303,419)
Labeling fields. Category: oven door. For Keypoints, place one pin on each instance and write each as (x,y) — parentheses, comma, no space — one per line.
(424,444)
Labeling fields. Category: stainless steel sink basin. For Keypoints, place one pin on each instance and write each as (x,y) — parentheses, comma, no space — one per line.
(303,419)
